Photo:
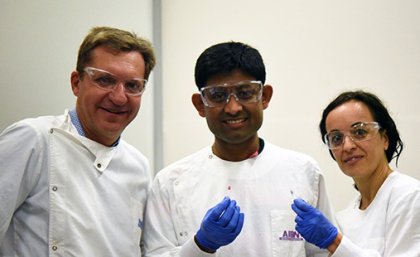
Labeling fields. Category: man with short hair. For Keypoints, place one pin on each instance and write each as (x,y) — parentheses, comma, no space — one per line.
(69,184)
(232,198)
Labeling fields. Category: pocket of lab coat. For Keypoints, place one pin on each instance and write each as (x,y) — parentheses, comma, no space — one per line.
(137,209)
(285,240)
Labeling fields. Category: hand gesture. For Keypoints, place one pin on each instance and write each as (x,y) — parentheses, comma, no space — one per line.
(313,225)
(220,226)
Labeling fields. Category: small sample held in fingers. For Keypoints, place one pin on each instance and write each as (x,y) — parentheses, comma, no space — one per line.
(293,195)
(229,190)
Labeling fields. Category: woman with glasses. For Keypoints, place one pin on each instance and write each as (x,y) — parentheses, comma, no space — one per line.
(384,220)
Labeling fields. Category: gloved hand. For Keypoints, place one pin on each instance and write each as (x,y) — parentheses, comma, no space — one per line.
(220,226)
(313,225)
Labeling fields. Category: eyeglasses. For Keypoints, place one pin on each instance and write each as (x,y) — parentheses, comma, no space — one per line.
(359,132)
(244,92)
(108,81)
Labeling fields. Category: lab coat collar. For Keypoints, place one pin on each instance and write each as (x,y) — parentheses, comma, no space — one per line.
(103,154)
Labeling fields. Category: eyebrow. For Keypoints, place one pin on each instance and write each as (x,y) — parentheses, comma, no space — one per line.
(108,73)
(230,84)
(351,126)
(358,123)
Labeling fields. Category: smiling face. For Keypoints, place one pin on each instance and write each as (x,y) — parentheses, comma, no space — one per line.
(234,123)
(357,159)
(104,114)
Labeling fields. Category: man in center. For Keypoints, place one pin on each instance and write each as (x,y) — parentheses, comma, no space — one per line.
(232,198)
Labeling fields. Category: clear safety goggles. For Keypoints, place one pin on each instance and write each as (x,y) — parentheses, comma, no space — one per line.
(244,92)
(108,81)
(359,132)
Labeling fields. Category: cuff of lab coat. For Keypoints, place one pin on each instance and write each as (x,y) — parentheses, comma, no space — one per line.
(190,249)
(347,248)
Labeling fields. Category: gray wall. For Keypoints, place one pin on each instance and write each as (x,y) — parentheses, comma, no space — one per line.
(38,51)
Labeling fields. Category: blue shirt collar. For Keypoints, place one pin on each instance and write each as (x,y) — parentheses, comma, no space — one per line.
(76,122)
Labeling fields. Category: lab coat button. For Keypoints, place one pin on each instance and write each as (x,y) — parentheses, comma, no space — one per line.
(176,183)
(54,188)
(98,165)
(54,248)
(51,131)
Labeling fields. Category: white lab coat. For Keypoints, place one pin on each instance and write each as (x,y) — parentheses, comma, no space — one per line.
(182,193)
(389,227)
(64,195)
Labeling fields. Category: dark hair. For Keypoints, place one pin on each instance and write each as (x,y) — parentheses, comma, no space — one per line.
(380,114)
(226,57)
(119,40)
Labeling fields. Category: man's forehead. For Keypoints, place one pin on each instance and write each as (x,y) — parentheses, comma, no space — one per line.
(233,77)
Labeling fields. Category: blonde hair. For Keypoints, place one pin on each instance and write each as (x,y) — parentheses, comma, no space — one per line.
(119,40)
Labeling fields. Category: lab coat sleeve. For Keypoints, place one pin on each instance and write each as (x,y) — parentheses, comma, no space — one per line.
(402,237)
(159,235)
(323,204)
(348,249)
(403,233)
(21,155)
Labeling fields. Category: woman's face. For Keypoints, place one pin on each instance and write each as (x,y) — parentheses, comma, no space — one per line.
(356,159)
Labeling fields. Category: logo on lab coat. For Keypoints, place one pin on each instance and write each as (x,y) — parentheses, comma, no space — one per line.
(291,235)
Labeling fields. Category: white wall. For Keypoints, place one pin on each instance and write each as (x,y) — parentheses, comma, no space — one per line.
(38,51)
(313,50)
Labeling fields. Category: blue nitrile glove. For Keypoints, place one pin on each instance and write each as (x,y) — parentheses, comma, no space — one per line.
(220,226)
(313,225)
